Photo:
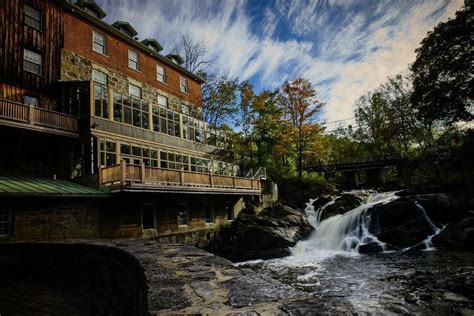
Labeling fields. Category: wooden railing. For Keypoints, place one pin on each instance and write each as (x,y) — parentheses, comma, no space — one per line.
(37,116)
(126,173)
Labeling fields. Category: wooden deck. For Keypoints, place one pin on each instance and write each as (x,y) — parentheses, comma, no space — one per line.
(127,177)
(30,117)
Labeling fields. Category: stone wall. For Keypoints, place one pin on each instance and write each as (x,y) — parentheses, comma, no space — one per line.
(55,220)
(111,280)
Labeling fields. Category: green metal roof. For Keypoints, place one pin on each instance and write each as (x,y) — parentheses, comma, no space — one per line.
(13,185)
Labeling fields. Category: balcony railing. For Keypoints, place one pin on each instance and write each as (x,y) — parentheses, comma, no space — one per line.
(124,173)
(35,116)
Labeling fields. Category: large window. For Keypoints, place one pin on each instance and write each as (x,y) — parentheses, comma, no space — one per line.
(30,100)
(33,18)
(200,165)
(193,129)
(5,218)
(183,84)
(160,73)
(166,121)
(108,153)
(137,154)
(133,59)
(174,161)
(32,62)
(122,108)
(140,113)
(99,43)
(101,94)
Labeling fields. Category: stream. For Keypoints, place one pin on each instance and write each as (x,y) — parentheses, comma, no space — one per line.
(328,266)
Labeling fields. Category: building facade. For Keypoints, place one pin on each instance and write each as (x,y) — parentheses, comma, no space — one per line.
(88,101)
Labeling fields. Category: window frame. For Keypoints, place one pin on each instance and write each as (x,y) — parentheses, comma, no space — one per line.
(32,62)
(94,42)
(186,208)
(158,74)
(184,88)
(136,62)
(27,17)
(6,225)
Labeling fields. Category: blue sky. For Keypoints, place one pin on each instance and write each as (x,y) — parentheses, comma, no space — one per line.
(345,48)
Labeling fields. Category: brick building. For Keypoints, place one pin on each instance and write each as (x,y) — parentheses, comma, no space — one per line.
(89,102)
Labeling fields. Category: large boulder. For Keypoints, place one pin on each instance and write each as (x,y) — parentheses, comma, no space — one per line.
(263,236)
(341,205)
(459,235)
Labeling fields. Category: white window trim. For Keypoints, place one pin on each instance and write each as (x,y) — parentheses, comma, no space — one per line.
(33,61)
(130,85)
(137,61)
(158,73)
(94,33)
(186,86)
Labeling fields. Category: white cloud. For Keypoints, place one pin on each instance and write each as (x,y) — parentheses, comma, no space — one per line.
(345,50)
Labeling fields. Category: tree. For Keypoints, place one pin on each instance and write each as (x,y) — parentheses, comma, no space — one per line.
(219,97)
(443,71)
(193,53)
(300,105)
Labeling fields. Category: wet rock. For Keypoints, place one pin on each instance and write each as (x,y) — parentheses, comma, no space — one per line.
(371,247)
(263,236)
(450,296)
(411,298)
(317,306)
(459,235)
(341,205)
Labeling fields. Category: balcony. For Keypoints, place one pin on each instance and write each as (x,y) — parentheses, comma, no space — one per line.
(139,178)
(30,117)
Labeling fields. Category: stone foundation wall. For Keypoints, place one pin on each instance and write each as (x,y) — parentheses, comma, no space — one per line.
(55,221)
(108,278)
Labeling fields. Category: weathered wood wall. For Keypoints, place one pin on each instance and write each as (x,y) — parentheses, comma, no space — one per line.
(15,36)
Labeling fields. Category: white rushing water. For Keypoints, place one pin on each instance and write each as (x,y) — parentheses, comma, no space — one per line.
(436,230)
(341,233)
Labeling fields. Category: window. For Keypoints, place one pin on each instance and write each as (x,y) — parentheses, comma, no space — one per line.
(183,84)
(183,215)
(122,108)
(140,113)
(29,100)
(32,62)
(148,217)
(173,161)
(107,153)
(222,168)
(193,129)
(208,213)
(163,101)
(160,73)
(33,18)
(99,43)
(133,61)
(134,154)
(134,90)
(101,94)
(200,165)
(184,109)
(166,121)
(5,218)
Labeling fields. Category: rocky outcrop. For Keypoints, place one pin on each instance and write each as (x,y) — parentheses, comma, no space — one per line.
(263,236)
(341,205)
(459,235)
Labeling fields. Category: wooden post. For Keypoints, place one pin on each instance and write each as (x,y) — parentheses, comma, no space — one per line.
(92,103)
(110,105)
(211,180)
(181,176)
(123,170)
(150,116)
(233,182)
(142,173)
(31,114)
(100,176)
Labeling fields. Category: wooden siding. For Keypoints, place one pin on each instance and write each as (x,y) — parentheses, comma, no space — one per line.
(15,36)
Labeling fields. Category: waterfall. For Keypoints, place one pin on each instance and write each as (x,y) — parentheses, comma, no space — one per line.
(341,232)
(436,230)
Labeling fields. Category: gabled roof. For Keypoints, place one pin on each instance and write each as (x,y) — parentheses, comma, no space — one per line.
(174,56)
(92,5)
(16,185)
(152,42)
(125,25)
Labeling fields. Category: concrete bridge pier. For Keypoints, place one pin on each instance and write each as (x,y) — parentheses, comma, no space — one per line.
(351,179)
(375,176)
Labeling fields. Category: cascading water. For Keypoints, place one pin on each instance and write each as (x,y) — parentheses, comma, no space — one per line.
(341,232)
(436,230)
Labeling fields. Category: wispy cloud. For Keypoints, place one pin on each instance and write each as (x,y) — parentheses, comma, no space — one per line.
(345,48)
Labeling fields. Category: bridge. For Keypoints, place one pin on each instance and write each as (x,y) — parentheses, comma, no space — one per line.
(374,170)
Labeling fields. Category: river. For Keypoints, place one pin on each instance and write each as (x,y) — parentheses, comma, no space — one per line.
(340,280)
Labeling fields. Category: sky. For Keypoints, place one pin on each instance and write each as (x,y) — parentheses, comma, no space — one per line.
(345,48)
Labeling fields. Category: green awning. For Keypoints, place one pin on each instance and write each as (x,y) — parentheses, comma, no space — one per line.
(13,185)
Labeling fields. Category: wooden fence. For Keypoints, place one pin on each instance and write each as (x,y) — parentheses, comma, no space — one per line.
(127,173)
(37,116)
